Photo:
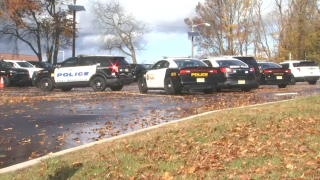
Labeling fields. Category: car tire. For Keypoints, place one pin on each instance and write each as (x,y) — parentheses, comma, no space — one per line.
(6,81)
(98,84)
(293,81)
(46,84)
(66,89)
(116,88)
(282,85)
(143,88)
(312,82)
(208,91)
(169,87)
(246,89)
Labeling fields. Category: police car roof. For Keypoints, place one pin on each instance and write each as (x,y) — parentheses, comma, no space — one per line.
(221,58)
(99,56)
(296,61)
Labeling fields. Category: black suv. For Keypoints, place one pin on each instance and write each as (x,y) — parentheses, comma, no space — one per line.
(98,72)
(13,75)
(253,63)
(139,69)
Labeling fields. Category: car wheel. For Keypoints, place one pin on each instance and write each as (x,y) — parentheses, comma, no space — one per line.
(293,80)
(169,87)
(6,81)
(282,85)
(46,84)
(246,89)
(208,91)
(143,88)
(98,84)
(116,88)
(312,82)
(66,89)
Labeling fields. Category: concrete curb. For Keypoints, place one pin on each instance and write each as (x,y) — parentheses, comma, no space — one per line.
(63,152)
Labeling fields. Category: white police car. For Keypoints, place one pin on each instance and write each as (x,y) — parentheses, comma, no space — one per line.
(99,72)
(174,74)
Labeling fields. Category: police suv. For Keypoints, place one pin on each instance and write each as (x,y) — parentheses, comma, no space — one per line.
(98,72)
(174,74)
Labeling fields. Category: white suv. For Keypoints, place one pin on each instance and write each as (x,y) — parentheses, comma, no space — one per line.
(24,65)
(303,70)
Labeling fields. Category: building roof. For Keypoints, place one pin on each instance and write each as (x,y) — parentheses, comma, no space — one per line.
(8,56)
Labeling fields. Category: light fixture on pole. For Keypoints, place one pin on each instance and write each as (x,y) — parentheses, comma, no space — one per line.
(75,8)
(62,55)
(192,33)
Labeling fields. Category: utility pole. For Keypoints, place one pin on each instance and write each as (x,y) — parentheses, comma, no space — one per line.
(74,32)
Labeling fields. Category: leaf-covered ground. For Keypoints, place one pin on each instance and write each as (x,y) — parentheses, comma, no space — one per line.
(277,141)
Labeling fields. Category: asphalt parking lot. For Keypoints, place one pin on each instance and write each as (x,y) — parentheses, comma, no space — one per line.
(34,123)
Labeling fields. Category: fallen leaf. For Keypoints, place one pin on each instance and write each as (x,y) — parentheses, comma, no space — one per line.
(77,164)
(191,169)
(244,177)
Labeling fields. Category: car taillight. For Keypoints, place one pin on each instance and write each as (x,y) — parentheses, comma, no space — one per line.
(252,69)
(288,71)
(225,70)
(185,71)
(267,71)
(213,71)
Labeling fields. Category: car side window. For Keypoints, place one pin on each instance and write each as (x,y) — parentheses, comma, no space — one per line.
(286,65)
(157,65)
(70,62)
(165,64)
(208,63)
(85,62)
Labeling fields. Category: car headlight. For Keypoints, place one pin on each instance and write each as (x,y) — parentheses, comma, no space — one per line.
(13,72)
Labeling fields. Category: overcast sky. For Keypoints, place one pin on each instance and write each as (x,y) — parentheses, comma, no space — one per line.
(167,37)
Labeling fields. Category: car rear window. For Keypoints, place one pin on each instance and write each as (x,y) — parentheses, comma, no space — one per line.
(230,63)
(269,65)
(24,64)
(189,63)
(120,61)
(248,60)
(304,64)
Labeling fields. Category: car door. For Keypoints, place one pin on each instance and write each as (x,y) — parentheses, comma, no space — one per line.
(71,72)
(150,75)
(160,74)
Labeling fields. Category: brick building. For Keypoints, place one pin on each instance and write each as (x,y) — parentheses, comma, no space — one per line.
(8,56)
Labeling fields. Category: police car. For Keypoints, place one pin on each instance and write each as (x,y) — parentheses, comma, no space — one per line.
(174,74)
(233,73)
(98,72)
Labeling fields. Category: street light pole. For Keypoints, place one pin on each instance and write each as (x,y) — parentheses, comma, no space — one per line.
(192,37)
(74,32)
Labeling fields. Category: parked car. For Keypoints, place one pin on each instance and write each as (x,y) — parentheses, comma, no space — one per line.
(251,61)
(12,75)
(25,65)
(303,71)
(139,69)
(97,72)
(233,73)
(41,64)
(274,74)
(175,74)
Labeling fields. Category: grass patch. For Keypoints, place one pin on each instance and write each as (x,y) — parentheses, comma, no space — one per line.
(276,141)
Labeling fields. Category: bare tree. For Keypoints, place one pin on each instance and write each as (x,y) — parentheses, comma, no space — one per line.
(37,24)
(119,31)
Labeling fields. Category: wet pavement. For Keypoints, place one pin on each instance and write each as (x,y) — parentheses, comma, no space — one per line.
(35,123)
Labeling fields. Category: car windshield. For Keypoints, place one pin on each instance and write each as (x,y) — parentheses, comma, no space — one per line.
(47,65)
(147,66)
(189,63)
(269,65)
(306,63)
(24,64)
(230,63)
(5,64)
